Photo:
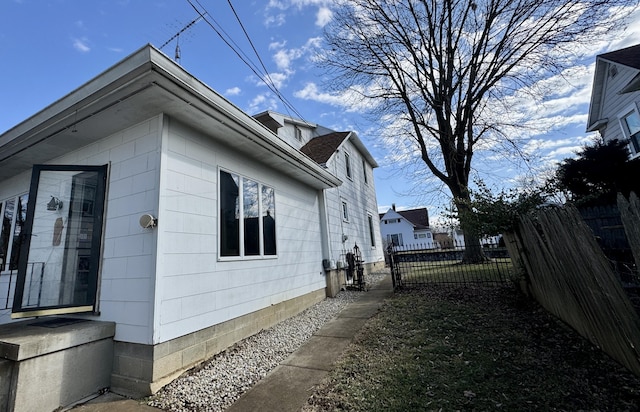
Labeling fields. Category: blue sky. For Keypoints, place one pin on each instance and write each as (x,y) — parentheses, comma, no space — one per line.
(51,47)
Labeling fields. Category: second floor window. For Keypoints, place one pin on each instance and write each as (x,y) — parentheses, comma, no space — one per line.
(345,211)
(364,171)
(298,133)
(347,161)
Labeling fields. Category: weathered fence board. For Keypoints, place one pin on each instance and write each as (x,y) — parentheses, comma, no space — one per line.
(571,277)
(630,214)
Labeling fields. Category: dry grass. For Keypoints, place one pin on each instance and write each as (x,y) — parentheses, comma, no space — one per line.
(452,271)
(472,349)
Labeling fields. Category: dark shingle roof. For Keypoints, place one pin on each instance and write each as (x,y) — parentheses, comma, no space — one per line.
(322,147)
(629,56)
(419,217)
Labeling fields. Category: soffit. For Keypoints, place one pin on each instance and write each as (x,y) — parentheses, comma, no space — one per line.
(144,85)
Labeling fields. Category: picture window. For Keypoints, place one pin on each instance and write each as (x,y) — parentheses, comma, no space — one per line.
(247,217)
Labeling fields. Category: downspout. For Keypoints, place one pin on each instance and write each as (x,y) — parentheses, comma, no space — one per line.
(324,229)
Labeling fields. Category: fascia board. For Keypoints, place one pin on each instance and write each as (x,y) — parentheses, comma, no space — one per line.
(246,125)
(593,120)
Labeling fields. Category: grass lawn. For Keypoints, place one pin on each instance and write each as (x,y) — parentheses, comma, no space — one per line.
(495,270)
(472,349)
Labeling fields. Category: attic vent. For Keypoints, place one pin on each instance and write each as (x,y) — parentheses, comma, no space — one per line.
(613,70)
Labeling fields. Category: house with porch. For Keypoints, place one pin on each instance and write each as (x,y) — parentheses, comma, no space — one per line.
(148,224)
(407,228)
(614,111)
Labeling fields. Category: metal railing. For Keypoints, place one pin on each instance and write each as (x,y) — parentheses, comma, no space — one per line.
(33,285)
(414,265)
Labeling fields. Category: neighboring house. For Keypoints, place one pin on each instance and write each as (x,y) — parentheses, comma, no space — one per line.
(147,201)
(451,239)
(615,99)
(407,228)
(349,209)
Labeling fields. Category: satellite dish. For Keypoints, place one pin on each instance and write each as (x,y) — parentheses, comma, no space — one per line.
(148,221)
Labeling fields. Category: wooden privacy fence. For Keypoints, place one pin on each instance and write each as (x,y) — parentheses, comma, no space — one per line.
(571,277)
(630,214)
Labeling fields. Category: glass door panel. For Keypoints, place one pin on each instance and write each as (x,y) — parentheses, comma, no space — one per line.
(58,269)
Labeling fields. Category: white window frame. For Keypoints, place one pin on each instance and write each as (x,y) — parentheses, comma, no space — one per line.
(348,170)
(371,228)
(241,253)
(397,236)
(364,172)
(633,108)
(298,133)
(344,211)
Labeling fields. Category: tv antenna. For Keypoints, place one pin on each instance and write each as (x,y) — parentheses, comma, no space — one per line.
(176,36)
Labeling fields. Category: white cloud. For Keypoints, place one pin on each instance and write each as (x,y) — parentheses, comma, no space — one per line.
(312,92)
(275,11)
(277,79)
(274,20)
(284,57)
(81,45)
(277,45)
(324,16)
(262,102)
(234,91)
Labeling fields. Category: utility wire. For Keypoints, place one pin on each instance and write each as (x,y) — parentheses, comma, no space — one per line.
(264,77)
(268,76)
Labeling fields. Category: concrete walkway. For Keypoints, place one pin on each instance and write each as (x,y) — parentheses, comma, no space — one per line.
(290,384)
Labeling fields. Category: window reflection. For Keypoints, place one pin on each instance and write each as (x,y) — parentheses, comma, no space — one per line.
(251,224)
(269,220)
(229,214)
(256,231)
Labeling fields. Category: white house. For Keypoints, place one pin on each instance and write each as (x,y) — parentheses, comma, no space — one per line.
(407,228)
(146,201)
(614,111)
(351,207)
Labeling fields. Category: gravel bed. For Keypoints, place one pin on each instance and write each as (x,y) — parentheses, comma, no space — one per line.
(220,381)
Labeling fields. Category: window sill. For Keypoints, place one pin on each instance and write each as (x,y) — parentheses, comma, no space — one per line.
(245,258)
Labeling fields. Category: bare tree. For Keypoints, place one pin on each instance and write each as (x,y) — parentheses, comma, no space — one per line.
(446,68)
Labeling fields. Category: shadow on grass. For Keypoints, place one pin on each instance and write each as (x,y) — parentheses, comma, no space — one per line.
(472,348)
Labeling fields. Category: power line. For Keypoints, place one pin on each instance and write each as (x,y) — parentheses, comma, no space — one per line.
(228,40)
(268,76)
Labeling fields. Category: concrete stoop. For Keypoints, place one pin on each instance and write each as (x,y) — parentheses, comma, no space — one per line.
(46,364)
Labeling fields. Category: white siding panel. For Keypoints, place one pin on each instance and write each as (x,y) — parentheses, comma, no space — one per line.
(128,263)
(615,104)
(361,200)
(211,290)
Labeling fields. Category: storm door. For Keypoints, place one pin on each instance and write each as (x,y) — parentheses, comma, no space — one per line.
(59,264)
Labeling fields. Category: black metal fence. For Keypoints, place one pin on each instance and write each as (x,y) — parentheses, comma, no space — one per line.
(415,265)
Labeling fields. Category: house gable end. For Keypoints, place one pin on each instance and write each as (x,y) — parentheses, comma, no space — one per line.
(624,62)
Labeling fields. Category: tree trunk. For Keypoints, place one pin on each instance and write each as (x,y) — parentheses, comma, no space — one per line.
(473,252)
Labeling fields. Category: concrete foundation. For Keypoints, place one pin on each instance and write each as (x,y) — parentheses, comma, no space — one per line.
(49,363)
(336,278)
(141,370)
